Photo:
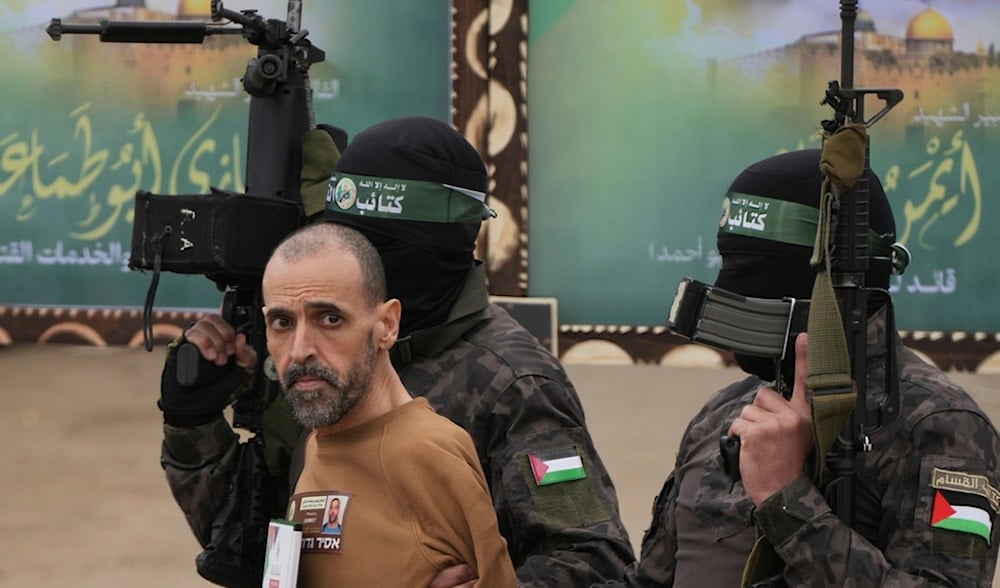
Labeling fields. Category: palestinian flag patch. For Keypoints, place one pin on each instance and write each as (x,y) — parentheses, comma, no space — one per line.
(556,465)
(963,512)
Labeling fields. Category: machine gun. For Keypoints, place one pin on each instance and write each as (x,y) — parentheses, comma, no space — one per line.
(848,262)
(228,238)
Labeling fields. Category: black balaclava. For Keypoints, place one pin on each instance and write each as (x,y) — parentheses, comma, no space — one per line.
(426,263)
(766,268)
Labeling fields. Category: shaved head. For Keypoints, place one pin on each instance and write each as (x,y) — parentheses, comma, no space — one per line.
(335,239)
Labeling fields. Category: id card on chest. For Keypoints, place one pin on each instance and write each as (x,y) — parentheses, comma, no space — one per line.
(324,520)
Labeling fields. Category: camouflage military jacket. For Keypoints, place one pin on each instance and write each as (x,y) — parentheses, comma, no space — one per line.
(926,498)
(562,525)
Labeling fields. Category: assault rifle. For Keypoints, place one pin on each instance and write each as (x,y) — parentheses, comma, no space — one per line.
(228,238)
(849,261)
(766,328)
(836,315)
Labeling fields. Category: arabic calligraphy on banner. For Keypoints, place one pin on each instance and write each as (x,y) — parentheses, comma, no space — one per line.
(233,90)
(67,189)
(697,253)
(941,281)
(105,179)
(114,254)
(946,184)
(956,115)
(105,175)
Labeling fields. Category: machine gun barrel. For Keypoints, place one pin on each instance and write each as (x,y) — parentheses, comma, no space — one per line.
(132,32)
(191,32)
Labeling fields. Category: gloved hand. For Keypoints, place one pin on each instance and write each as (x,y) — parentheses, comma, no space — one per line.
(202,402)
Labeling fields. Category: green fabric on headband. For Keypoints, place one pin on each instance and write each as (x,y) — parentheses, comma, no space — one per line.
(768,218)
(411,200)
(795,224)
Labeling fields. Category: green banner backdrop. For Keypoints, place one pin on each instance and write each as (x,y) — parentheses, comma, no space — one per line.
(642,112)
(85,124)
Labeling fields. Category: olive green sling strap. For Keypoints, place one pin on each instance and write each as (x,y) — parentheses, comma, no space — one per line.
(833,393)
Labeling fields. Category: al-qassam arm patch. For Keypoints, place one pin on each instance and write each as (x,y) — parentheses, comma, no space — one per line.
(964,509)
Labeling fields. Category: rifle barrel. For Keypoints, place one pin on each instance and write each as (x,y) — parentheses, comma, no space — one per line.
(848,14)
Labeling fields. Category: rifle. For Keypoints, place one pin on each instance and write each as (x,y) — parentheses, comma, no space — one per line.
(836,315)
(208,235)
(765,328)
(848,261)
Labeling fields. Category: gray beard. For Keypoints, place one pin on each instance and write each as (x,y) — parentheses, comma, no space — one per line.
(328,405)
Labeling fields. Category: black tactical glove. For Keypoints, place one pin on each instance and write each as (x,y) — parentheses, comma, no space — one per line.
(202,402)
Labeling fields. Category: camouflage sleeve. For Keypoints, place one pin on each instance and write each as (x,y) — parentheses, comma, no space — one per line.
(936,518)
(199,463)
(554,499)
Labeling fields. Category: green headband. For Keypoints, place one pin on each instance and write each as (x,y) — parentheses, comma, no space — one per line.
(405,200)
(793,223)
(767,218)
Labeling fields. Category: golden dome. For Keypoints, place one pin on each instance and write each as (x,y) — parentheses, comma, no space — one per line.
(929,25)
(194,9)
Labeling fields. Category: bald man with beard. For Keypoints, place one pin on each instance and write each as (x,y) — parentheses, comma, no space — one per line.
(412,494)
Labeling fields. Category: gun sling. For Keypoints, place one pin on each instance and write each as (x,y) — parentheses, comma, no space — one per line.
(830,378)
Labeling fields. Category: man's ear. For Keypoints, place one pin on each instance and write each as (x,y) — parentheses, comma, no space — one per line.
(388,319)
